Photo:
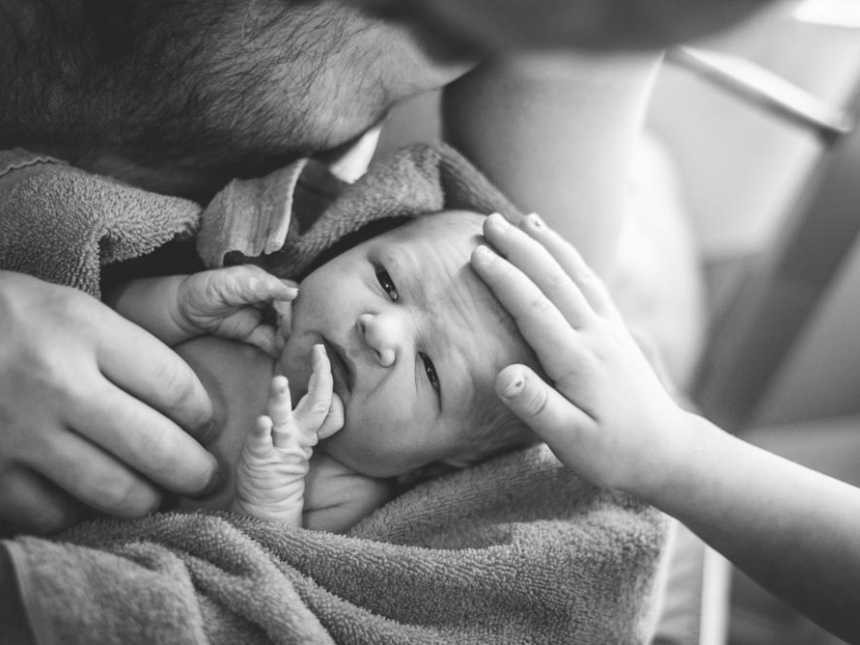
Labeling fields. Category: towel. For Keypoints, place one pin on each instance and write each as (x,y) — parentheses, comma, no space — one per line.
(63,225)
(514,550)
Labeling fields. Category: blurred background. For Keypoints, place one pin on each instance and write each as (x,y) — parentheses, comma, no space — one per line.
(751,146)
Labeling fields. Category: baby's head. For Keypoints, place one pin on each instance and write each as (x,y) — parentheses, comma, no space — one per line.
(415,340)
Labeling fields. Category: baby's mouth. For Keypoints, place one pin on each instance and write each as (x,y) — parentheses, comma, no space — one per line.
(342,369)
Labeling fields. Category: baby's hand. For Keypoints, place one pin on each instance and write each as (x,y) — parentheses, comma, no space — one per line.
(602,410)
(274,461)
(228,303)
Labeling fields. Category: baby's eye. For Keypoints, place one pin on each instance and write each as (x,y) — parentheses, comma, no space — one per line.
(387,284)
(430,370)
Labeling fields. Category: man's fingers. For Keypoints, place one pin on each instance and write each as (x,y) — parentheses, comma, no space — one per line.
(543,409)
(540,322)
(32,504)
(144,439)
(92,476)
(146,368)
(536,262)
(590,285)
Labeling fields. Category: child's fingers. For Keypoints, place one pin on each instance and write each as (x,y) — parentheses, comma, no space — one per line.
(570,260)
(535,261)
(562,425)
(314,407)
(544,328)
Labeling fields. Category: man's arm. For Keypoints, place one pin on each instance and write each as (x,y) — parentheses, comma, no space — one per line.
(557,134)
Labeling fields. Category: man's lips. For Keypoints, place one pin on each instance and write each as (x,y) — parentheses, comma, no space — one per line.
(342,368)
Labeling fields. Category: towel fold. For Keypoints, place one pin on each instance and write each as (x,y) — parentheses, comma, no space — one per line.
(515,550)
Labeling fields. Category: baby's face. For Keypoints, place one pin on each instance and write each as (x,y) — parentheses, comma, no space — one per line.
(412,334)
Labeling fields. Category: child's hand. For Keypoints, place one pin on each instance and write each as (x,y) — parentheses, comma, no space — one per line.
(606,413)
(227,303)
(274,461)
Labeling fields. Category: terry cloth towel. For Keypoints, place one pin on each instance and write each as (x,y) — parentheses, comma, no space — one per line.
(515,550)
(63,225)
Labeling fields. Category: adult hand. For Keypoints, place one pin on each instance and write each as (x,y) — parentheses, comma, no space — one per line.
(603,410)
(91,408)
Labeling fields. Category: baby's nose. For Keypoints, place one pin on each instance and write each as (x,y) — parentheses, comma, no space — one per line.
(380,334)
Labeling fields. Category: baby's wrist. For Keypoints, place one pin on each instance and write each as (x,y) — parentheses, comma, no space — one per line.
(180,304)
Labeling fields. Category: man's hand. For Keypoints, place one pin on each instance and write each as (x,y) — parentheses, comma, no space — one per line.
(275,457)
(227,303)
(603,410)
(91,407)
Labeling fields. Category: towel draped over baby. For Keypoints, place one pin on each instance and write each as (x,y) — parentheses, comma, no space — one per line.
(515,550)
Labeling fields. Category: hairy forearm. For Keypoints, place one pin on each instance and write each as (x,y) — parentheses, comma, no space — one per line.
(792,529)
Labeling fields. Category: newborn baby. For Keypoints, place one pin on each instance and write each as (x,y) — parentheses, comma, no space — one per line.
(391,349)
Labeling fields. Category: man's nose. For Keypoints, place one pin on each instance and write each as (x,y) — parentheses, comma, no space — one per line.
(383,335)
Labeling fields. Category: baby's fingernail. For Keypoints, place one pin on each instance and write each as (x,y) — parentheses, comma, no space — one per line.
(513,388)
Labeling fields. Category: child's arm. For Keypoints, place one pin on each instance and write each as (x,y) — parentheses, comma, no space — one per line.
(608,416)
(222,302)
(270,474)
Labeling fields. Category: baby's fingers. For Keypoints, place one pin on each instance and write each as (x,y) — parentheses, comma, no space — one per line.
(280,406)
(562,425)
(314,407)
(258,442)
(266,338)
(248,284)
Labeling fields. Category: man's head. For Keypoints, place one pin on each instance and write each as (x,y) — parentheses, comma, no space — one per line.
(415,340)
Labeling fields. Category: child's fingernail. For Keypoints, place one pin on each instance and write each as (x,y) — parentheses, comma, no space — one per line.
(496,220)
(513,388)
(534,220)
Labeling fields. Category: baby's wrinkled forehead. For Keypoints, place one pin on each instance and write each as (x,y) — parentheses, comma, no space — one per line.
(484,317)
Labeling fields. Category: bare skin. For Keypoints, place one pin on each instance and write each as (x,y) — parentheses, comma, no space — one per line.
(608,416)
